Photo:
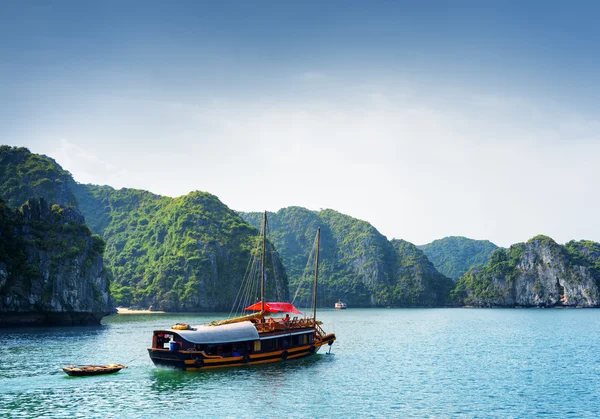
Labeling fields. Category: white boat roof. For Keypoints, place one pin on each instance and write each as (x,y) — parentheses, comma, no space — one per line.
(225,333)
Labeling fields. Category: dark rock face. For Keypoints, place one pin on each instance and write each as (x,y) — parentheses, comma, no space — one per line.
(51,268)
(418,280)
(539,273)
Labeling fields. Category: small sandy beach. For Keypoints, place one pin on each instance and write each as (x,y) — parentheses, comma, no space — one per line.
(123,310)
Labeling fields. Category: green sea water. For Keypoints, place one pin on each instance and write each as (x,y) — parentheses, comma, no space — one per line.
(404,363)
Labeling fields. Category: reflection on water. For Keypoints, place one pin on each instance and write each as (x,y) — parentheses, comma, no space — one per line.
(168,379)
(171,380)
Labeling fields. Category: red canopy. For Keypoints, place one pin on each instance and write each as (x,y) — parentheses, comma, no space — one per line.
(274,308)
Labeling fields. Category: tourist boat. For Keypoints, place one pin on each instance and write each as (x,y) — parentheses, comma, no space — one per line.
(258,338)
(82,370)
(340,305)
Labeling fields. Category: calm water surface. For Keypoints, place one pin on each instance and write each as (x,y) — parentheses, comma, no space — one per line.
(386,363)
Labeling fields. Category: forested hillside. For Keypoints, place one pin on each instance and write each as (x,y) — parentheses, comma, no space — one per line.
(175,254)
(25,175)
(417,275)
(358,264)
(453,256)
(186,253)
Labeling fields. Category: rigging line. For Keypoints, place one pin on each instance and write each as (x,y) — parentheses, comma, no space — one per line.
(302,277)
(276,279)
(249,281)
(137,357)
(247,290)
(306,272)
(252,287)
(244,278)
(245,282)
(269,255)
(248,286)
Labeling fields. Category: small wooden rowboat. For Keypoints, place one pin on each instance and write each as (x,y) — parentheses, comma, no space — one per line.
(81,370)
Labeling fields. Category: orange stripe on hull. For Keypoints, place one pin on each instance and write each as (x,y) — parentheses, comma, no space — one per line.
(265,361)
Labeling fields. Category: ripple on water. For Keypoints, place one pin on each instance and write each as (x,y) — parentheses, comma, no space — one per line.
(386,363)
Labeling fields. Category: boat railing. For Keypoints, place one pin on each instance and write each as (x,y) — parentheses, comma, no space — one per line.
(319,330)
(278,324)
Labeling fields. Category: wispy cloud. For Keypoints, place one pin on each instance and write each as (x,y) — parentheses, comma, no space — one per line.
(417,163)
(88,168)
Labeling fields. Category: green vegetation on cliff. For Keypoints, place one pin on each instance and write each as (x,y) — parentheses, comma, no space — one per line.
(186,253)
(25,175)
(51,267)
(417,276)
(537,273)
(453,256)
(478,283)
(357,263)
(584,252)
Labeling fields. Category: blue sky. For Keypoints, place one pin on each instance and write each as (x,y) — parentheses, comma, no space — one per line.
(426,119)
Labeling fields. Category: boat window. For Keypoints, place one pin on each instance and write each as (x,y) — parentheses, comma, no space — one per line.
(227,349)
(298,340)
(268,344)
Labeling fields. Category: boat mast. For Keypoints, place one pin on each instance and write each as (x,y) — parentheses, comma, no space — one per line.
(262,284)
(316,276)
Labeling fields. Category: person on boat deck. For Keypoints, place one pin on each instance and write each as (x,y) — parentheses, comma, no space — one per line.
(234,351)
(287,319)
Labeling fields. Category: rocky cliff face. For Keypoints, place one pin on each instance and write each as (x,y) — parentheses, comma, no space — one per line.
(51,268)
(418,281)
(539,273)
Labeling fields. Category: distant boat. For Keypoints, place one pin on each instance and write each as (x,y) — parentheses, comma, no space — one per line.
(340,305)
(82,370)
(247,340)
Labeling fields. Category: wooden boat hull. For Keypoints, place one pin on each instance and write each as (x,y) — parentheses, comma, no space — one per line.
(87,370)
(198,360)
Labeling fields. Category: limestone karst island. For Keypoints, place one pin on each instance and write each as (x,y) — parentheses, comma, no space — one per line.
(71,253)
